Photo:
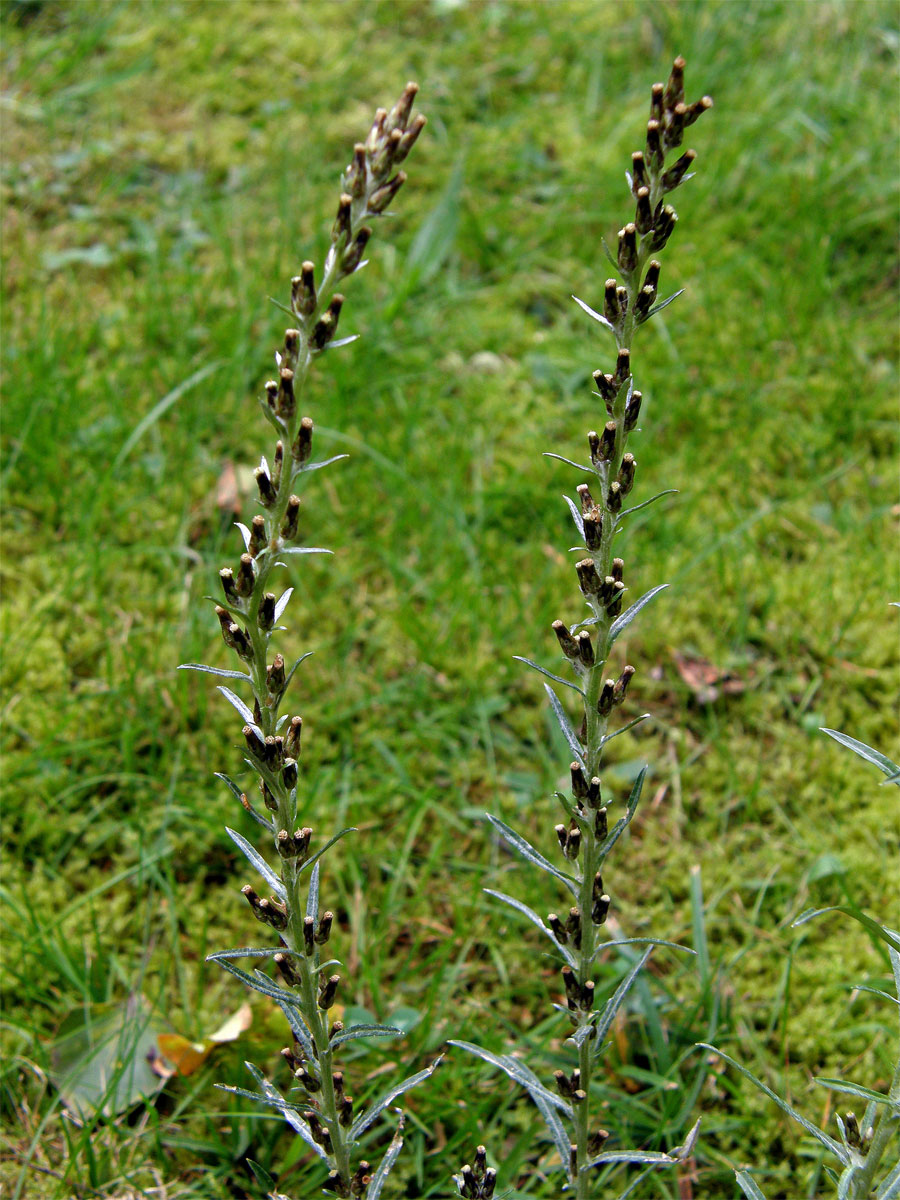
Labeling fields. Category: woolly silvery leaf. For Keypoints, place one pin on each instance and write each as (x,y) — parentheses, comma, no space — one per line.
(889,1187)
(304,550)
(577,466)
(373,1191)
(664,303)
(554,1126)
(597,316)
(614,1003)
(365,1031)
(337,837)
(543,670)
(621,623)
(565,725)
(864,987)
(248,952)
(828,1142)
(342,342)
(259,982)
(641,942)
(875,757)
(857,1089)
(536,920)
(283,602)
(879,931)
(276,1102)
(624,728)
(748,1186)
(245,533)
(633,1156)
(576,515)
(256,859)
(312,899)
(220,671)
(290,674)
(630,809)
(364,1120)
(646,503)
(316,466)
(527,851)
(230,784)
(517,1070)
(237,703)
(299,1030)
(292,1118)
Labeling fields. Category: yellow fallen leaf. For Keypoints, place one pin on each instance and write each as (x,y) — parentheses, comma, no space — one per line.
(187,1056)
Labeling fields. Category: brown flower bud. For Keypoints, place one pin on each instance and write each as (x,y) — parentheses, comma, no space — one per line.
(266,614)
(678,170)
(226,575)
(342,220)
(303,291)
(291,518)
(654,145)
(626,474)
(302,447)
(614,497)
(627,257)
(593,530)
(638,172)
(588,579)
(664,228)
(674,93)
(697,109)
(381,197)
(567,643)
(292,737)
(611,301)
(632,411)
(657,92)
(323,933)
(621,685)
(643,219)
(585,648)
(605,699)
(673,135)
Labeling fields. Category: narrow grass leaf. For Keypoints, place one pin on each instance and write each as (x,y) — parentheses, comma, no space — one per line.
(856,1089)
(260,1174)
(877,930)
(631,1190)
(698,925)
(535,920)
(875,757)
(237,703)
(253,856)
(748,1186)
(364,1120)
(543,671)
(220,671)
(565,725)
(835,1147)
(622,623)
(373,1191)
(527,851)
(160,409)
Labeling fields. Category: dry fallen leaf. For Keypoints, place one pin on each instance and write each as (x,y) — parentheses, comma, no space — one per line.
(186,1056)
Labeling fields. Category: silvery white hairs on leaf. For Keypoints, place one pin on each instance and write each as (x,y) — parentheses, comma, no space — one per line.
(589,828)
(324,1116)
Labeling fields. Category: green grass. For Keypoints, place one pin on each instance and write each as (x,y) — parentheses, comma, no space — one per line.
(166,167)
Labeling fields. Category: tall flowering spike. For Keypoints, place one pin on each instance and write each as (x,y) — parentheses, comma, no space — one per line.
(250,619)
(584,834)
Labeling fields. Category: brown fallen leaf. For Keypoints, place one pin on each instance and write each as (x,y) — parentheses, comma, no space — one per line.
(706,680)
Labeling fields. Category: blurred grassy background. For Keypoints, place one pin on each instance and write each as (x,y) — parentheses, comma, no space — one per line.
(166,166)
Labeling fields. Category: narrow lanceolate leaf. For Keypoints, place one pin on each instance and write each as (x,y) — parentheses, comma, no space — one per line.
(259,983)
(543,671)
(875,757)
(365,1031)
(665,303)
(622,623)
(365,1119)
(246,952)
(516,1069)
(829,1143)
(874,927)
(614,945)
(624,728)
(555,1127)
(569,462)
(623,822)
(244,532)
(299,1030)
(576,515)
(889,1188)
(312,897)
(748,1186)
(220,671)
(646,503)
(565,725)
(237,703)
(253,856)
(304,550)
(614,1003)
(629,1156)
(274,1101)
(331,841)
(290,674)
(283,603)
(601,320)
(535,920)
(856,1089)
(373,1191)
(317,466)
(528,852)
